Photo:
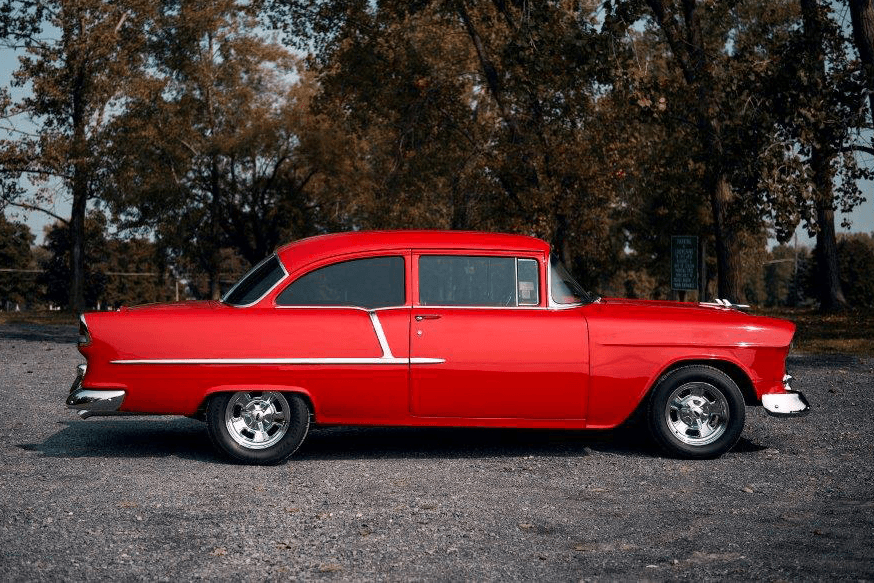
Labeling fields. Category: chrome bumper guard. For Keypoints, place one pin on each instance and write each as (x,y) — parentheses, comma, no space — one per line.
(789,404)
(90,402)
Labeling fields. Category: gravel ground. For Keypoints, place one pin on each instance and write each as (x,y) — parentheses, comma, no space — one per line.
(147,498)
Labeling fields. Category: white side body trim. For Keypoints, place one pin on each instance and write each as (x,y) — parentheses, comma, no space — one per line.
(339,360)
(386,358)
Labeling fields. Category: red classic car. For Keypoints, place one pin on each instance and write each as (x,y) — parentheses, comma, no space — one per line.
(430,328)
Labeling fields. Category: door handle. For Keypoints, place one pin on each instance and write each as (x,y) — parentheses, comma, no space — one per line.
(421,317)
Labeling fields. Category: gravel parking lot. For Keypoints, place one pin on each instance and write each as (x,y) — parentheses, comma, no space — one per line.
(147,498)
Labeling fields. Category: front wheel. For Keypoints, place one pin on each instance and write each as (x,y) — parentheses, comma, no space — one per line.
(696,412)
(257,427)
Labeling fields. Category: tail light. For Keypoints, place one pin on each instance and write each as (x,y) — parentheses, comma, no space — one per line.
(84,336)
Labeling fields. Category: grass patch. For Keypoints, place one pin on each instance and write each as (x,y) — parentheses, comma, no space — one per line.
(847,332)
(42,317)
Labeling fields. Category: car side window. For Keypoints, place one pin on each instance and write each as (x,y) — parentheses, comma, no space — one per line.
(463,280)
(374,282)
(528,282)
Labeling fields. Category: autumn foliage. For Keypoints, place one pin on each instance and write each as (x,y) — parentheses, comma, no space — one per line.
(223,129)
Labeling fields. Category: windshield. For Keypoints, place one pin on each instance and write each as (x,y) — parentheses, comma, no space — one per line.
(565,289)
(256,283)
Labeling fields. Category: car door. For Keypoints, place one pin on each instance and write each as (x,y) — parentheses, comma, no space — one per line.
(505,353)
(349,319)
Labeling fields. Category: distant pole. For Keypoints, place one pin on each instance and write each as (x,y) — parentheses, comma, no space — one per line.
(795,275)
(702,271)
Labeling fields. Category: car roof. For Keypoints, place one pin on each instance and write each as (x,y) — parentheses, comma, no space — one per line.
(313,248)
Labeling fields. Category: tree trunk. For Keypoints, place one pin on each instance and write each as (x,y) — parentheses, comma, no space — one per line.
(215,289)
(214,233)
(79,154)
(559,241)
(77,247)
(862,13)
(831,297)
(460,220)
(728,264)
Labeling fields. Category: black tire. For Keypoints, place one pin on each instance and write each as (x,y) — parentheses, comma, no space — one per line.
(696,412)
(231,417)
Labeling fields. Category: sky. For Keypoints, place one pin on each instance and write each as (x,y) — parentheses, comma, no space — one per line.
(861,218)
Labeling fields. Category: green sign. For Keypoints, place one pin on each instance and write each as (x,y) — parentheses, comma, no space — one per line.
(684,262)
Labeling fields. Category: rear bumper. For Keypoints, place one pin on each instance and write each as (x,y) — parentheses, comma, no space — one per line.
(792,403)
(90,402)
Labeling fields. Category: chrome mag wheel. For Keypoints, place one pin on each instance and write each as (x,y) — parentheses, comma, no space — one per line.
(697,413)
(257,420)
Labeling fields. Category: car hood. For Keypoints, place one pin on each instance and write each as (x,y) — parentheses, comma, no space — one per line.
(664,304)
(665,322)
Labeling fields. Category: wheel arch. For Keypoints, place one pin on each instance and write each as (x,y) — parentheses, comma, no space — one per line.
(299,391)
(735,372)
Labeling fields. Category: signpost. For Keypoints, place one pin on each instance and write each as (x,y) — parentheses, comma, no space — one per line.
(684,262)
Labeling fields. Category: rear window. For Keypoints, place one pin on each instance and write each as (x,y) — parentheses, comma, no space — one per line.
(256,283)
(374,282)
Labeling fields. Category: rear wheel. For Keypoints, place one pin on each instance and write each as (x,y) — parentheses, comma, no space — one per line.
(696,412)
(257,427)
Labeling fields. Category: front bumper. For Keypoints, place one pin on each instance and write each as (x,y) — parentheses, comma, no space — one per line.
(90,402)
(789,404)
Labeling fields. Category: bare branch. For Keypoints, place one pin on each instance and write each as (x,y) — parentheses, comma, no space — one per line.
(858,148)
(32,207)
(191,148)
(121,21)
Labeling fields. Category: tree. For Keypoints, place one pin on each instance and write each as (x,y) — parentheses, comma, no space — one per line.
(856,256)
(213,151)
(16,287)
(823,150)
(56,267)
(134,273)
(472,115)
(781,275)
(76,82)
(686,36)
(818,102)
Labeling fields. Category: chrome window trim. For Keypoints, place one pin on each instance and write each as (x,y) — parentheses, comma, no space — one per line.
(516,282)
(444,307)
(265,294)
(408,307)
(342,307)
(552,304)
(537,261)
